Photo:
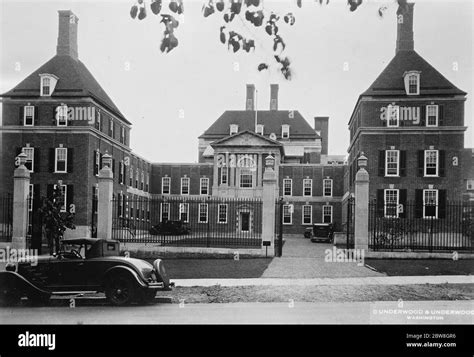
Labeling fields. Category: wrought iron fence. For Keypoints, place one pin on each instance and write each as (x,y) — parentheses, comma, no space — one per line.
(349,226)
(415,227)
(6,218)
(188,221)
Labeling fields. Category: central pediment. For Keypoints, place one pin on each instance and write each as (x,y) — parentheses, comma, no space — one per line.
(246,139)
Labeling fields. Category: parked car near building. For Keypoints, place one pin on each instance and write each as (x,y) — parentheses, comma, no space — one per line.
(84,264)
(320,232)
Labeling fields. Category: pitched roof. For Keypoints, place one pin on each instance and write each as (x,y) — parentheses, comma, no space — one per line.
(75,80)
(390,81)
(229,139)
(271,119)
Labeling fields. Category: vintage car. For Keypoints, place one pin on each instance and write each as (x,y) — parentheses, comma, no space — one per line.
(170,228)
(84,265)
(320,232)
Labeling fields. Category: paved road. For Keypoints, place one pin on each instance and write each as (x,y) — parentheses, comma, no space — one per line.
(388,312)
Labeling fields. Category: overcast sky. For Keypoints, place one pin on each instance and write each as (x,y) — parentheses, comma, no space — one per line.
(199,78)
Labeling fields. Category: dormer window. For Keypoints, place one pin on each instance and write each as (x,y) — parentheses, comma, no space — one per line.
(285,131)
(412,82)
(259,129)
(47,84)
(234,128)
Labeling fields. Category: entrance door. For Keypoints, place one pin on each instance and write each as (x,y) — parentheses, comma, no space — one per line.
(245,221)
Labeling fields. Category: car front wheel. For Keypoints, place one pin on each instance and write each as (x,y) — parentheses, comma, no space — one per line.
(120,291)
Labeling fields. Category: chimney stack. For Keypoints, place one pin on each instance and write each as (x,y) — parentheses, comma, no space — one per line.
(273,96)
(67,34)
(250,101)
(405,41)
(321,126)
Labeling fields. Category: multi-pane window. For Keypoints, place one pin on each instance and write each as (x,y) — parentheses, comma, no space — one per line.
(287,214)
(60,164)
(185,185)
(224,175)
(165,185)
(413,84)
(327,187)
(142,182)
(222,213)
(431,162)
(391,203)
(431,115)
(63,199)
(98,121)
(307,214)
(287,187)
(30,197)
(29,115)
(393,115)
(203,212)
(121,172)
(285,131)
(327,214)
(137,175)
(165,211)
(246,178)
(130,178)
(111,128)
(97,163)
(61,115)
(392,162)
(204,186)
(30,158)
(45,86)
(307,187)
(430,203)
(122,135)
(184,212)
(259,129)
(147,182)
(234,128)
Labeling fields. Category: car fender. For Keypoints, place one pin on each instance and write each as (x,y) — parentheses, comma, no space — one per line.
(161,274)
(123,270)
(13,280)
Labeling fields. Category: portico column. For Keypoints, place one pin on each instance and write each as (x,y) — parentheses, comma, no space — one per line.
(268,207)
(104,207)
(21,183)
(361,229)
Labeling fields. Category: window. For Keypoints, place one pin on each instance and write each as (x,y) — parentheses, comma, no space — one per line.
(234,129)
(111,128)
(327,214)
(142,182)
(147,183)
(287,187)
(307,214)
(392,162)
(122,135)
(307,187)
(431,115)
(121,172)
(327,187)
(391,199)
(259,129)
(63,198)
(98,122)
(131,177)
(30,157)
(224,175)
(137,174)
(204,186)
(203,212)
(431,162)
(97,163)
(285,131)
(470,185)
(430,203)
(412,82)
(393,115)
(165,185)
(28,115)
(287,214)
(185,185)
(184,212)
(61,160)
(222,213)
(61,115)
(45,86)
(246,178)
(165,212)
(30,197)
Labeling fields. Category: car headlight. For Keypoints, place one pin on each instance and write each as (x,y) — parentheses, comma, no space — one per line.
(10,267)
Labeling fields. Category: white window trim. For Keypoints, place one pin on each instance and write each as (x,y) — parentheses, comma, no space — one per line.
(97,159)
(436,206)
(32,117)
(183,179)
(185,211)
(245,171)
(122,172)
(219,213)
(224,173)
(310,187)
(62,121)
(56,161)
(406,80)
(200,211)
(285,131)
(324,188)
(163,185)
(233,129)
(332,212)
(291,187)
(163,204)
(24,149)
(201,181)
(390,108)
(63,208)
(437,115)
(310,215)
(260,129)
(283,215)
(437,163)
(385,202)
(398,163)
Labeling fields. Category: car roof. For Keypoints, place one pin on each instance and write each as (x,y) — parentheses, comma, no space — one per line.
(85,240)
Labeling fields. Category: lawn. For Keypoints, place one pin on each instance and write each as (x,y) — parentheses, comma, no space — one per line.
(411,267)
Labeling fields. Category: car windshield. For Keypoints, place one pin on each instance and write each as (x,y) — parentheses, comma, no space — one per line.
(67,249)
